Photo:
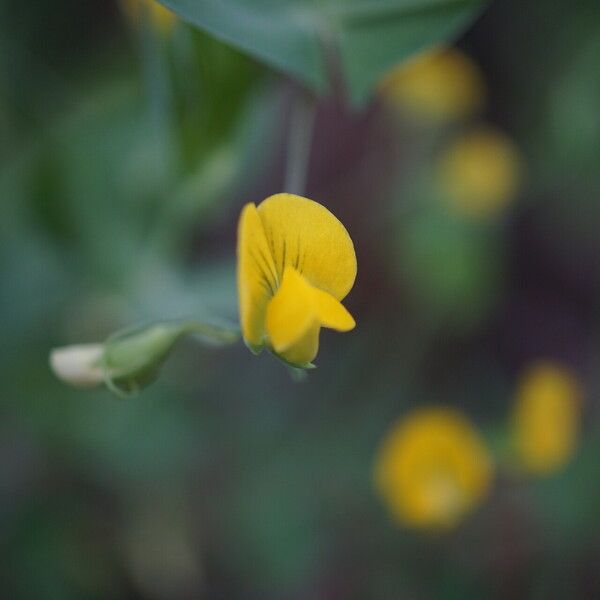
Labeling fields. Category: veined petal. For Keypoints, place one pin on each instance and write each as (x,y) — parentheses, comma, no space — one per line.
(331,313)
(304,235)
(291,312)
(257,276)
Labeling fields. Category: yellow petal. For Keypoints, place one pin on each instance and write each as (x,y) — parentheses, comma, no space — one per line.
(257,277)
(332,313)
(304,235)
(433,468)
(304,350)
(291,312)
(546,418)
(479,174)
(295,316)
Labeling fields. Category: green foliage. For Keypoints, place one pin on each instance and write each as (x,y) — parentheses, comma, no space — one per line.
(306,38)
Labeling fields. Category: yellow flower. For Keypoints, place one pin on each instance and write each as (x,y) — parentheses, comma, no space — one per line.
(161,18)
(437,85)
(432,468)
(479,173)
(546,418)
(296,262)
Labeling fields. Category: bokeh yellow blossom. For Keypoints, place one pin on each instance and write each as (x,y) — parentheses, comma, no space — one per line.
(479,173)
(437,85)
(161,17)
(546,418)
(432,468)
(296,262)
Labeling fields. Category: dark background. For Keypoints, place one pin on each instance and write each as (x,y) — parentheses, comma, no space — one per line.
(124,164)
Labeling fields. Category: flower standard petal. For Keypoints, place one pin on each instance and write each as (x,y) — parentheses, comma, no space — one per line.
(257,277)
(304,235)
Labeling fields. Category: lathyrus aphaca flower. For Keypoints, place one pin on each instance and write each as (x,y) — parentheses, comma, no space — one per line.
(296,263)
(435,86)
(433,468)
(545,420)
(161,18)
(479,173)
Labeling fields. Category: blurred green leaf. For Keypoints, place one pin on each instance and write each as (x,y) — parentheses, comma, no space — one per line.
(568,501)
(302,37)
(453,268)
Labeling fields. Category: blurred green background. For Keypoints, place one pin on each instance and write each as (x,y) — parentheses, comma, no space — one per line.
(126,153)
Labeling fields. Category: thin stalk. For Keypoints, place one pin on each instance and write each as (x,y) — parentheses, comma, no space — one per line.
(299,142)
(160,95)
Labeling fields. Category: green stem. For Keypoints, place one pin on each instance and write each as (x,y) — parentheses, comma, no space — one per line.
(160,95)
(299,142)
(161,122)
(222,335)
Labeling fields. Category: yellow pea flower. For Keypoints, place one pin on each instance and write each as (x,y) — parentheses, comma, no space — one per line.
(296,262)
(433,468)
(479,174)
(546,418)
(161,18)
(438,85)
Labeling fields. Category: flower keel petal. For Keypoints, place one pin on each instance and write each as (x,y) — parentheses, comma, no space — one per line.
(291,312)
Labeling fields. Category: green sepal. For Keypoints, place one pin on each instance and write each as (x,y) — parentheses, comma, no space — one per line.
(256,349)
(287,363)
(132,358)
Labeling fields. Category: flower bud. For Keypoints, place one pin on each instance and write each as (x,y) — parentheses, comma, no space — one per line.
(129,361)
(78,365)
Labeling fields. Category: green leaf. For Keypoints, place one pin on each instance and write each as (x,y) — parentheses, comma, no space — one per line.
(279,32)
(376,35)
(302,37)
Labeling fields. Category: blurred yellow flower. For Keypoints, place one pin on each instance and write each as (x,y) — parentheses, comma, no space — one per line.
(160,17)
(438,85)
(546,418)
(432,468)
(296,262)
(479,174)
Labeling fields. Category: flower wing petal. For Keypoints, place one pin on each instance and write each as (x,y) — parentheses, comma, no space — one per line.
(332,313)
(304,235)
(256,275)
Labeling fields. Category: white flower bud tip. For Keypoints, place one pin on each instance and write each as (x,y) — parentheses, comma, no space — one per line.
(78,365)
